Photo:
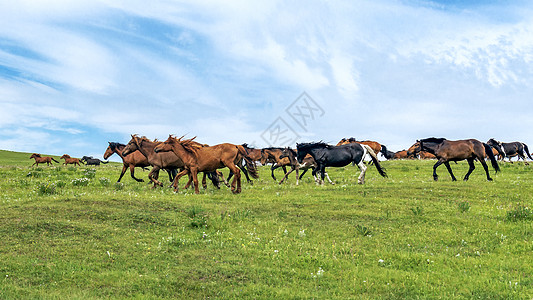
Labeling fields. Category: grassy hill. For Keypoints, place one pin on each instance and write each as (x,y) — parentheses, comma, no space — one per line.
(72,232)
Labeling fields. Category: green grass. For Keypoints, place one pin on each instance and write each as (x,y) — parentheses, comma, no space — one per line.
(403,237)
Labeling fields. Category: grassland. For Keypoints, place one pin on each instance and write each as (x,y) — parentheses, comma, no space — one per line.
(72,232)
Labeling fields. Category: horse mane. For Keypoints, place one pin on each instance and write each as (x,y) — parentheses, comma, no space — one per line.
(36,154)
(313,145)
(190,145)
(245,145)
(115,145)
(433,140)
(352,140)
(273,148)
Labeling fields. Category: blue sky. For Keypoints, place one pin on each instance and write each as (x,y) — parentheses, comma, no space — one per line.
(77,74)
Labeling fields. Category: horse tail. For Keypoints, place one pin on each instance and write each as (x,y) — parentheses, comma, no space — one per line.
(488,151)
(375,160)
(54,159)
(250,165)
(527,151)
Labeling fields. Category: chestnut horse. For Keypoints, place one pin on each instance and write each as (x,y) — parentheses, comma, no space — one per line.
(447,151)
(376,147)
(135,159)
(159,161)
(70,160)
(41,160)
(207,159)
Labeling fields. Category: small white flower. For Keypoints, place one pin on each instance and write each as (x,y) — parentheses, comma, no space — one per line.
(381,261)
(276,251)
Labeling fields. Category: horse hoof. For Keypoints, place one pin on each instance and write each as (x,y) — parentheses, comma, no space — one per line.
(489,179)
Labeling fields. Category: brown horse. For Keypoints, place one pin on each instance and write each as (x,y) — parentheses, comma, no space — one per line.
(253,153)
(70,160)
(41,160)
(272,155)
(447,151)
(207,159)
(135,159)
(377,147)
(166,161)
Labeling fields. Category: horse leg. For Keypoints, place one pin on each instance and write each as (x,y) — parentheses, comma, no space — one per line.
(471,169)
(435,166)
(447,164)
(362,167)
(154,175)
(221,175)
(315,176)
(237,179)
(286,175)
(322,174)
(204,181)
(297,177)
(272,168)
(302,175)
(124,168)
(486,168)
(177,179)
(330,181)
(132,173)
(243,169)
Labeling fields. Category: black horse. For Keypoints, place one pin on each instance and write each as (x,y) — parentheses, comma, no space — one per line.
(89,160)
(307,163)
(338,156)
(511,149)
(447,151)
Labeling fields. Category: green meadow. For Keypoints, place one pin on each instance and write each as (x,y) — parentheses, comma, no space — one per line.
(74,233)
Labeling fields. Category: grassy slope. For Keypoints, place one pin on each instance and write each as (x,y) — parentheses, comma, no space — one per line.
(271,241)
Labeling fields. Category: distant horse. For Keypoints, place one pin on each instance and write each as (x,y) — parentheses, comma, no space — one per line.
(400,155)
(307,163)
(91,161)
(135,159)
(447,151)
(41,160)
(207,159)
(272,155)
(338,156)
(70,160)
(511,149)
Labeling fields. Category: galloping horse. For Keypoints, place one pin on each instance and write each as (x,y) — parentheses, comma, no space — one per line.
(447,151)
(41,160)
(338,156)
(167,161)
(272,155)
(91,161)
(70,160)
(207,159)
(511,149)
(254,155)
(376,147)
(307,163)
(135,159)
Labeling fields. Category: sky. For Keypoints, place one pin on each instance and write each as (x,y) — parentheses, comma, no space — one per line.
(75,75)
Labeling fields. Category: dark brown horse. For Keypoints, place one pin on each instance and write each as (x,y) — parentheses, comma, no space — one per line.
(70,160)
(135,159)
(207,159)
(41,160)
(447,151)
(272,155)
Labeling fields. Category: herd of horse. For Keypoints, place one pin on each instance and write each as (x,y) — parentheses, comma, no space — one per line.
(180,157)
